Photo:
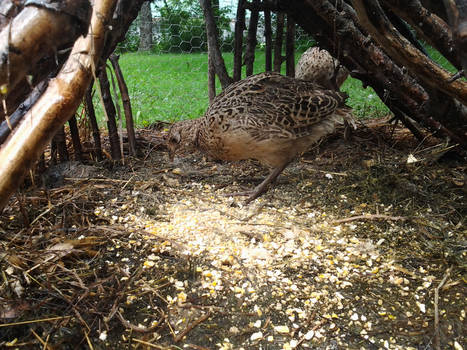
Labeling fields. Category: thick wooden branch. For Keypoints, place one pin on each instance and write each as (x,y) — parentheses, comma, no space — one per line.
(368,62)
(36,32)
(457,13)
(428,26)
(404,53)
(61,99)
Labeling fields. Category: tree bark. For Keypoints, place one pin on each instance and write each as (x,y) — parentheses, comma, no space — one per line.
(60,142)
(110,114)
(369,63)
(74,133)
(126,105)
(145,27)
(428,26)
(402,51)
(251,39)
(268,40)
(93,121)
(36,32)
(457,13)
(290,48)
(213,44)
(56,105)
(238,48)
(278,58)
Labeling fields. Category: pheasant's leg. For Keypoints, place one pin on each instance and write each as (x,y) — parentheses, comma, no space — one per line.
(263,186)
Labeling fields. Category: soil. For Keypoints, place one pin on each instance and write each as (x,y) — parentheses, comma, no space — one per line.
(361,244)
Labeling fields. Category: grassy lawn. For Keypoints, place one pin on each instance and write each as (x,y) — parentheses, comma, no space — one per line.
(171,87)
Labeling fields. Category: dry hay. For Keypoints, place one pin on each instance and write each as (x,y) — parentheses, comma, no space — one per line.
(350,250)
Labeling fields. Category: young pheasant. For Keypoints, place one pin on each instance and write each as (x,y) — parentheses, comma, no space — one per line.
(317,65)
(268,117)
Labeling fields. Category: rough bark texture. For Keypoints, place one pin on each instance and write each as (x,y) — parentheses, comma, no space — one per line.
(290,48)
(238,48)
(213,44)
(251,39)
(126,105)
(429,26)
(74,133)
(372,16)
(368,61)
(145,27)
(268,40)
(278,58)
(457,13)
(96,135)
(58,103)
(34,34)
(110,114)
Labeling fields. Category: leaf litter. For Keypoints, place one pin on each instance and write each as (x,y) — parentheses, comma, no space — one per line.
(360,245)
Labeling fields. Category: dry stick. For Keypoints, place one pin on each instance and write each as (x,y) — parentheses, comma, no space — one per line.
(290,47)
(93,121)
(213,43)
(211,77)
(119,115)
(74,132)
(110,113)
(268,39)
(88,340)
(150,344)
(191,326)
(139,329)
(437,333)
(239,28)
(126,104)
(278,58)
(370,217)
(60,140)
(34,321)
(251,41)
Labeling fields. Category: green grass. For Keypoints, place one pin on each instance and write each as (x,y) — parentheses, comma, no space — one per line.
(171,87)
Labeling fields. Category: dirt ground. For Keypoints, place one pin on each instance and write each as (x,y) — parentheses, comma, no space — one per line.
(360,245)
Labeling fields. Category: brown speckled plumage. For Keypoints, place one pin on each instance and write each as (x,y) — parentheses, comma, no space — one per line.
(317,65)
(268,117)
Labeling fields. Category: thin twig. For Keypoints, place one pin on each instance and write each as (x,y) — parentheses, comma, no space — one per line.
(191,326)
(150,344)
(139,329)
(437,342)
(371,217)
(88,341)
(34,321)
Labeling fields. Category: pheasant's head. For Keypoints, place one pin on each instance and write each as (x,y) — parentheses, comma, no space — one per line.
(181,137)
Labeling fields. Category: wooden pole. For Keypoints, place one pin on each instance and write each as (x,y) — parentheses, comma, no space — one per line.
(74,133)
(238,48)
(126,104)
(290,47)
(110,113)
(278,59)
(93,121)
(268,39)
(251,39)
